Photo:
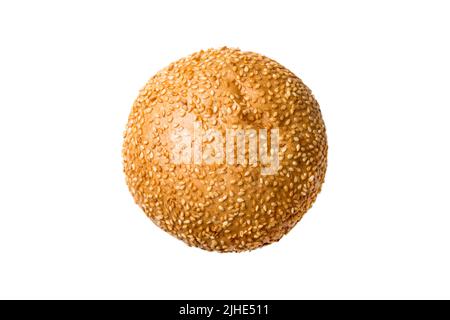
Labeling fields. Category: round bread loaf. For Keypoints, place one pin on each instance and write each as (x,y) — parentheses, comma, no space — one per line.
(225,150)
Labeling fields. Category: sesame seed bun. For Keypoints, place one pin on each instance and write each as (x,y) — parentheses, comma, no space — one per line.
(221,206)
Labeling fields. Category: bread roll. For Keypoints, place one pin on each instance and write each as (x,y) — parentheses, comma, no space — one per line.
(225,150)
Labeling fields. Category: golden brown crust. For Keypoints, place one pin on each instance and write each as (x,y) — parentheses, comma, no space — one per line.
(224,207)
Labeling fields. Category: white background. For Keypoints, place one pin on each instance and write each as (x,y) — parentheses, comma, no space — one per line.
(69,72)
